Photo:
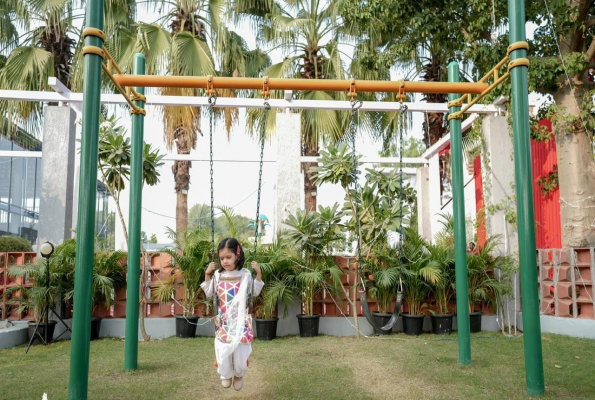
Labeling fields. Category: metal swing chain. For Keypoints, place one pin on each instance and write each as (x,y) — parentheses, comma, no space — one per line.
(355,106)
(267,107)
(401,197)
(212,101)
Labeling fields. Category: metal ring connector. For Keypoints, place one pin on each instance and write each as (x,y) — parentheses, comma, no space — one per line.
(265,88)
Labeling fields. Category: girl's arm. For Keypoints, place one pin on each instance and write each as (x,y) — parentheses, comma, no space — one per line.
(207,286)
(258,283)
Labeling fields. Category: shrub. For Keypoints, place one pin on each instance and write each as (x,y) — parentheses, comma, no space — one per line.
(13,243)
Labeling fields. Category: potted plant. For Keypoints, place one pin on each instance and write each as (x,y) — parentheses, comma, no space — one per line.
(109,274)
(381,276)
(417,275)
(378,207)
(109,270)
(483,286)
(189,261)
(310,241)
(29,293)
(443,260)
(276,269)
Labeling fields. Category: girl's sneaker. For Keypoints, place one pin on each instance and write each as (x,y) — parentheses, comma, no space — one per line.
(238,383)
(226,383)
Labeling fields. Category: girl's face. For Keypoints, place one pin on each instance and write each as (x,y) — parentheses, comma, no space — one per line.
(228,259)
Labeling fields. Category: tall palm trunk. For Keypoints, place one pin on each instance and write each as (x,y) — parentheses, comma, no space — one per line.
(434,126)
(314,67)
(56,42)
(184,138)
(310,150)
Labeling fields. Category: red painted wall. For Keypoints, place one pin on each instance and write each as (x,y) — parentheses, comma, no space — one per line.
(548,226)
(479,204)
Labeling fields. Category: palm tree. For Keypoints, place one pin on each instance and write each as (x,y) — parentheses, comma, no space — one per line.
(49,45)
(189,39)
(309,34)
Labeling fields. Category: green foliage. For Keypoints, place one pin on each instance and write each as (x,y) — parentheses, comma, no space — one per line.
(337,166)
(277,274)
(443,259)
(550,182)
(315,232)
(412,147)
(227,222)
(108,274)
(14,243)
(418,275)
(115,155)
(381,202)
(189,261)
(381,277)
(309,246)
(31,298)
(153,239)
(109,268)
(482,284)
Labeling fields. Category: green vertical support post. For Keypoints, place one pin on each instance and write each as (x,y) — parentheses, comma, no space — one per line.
(85,244)
(458,201)
(525,214)
(134,225)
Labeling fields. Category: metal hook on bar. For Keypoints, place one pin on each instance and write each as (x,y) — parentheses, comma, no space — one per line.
(265,89)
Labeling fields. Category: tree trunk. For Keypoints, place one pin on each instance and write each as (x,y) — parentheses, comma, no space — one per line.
(181,170)
(576,169)
(434,126)
(309,149)
(576,173)
(143,306)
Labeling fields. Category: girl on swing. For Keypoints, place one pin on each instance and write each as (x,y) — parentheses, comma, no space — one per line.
(231,283)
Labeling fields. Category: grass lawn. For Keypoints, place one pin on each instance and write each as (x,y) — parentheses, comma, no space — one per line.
(325,367)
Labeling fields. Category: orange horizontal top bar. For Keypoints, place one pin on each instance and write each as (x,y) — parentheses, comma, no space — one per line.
(300,84)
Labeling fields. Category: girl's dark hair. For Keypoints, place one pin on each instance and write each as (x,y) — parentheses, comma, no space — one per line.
(233,245)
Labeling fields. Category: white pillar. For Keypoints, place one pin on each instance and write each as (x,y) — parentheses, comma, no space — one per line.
(423,202)
(57,175)
(435,203)
(498,182)
(289,188)
(124,206)
(499,178)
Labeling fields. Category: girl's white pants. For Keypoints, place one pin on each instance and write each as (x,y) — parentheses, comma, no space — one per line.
(235,364)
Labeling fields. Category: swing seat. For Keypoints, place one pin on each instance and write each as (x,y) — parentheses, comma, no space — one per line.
(363,298)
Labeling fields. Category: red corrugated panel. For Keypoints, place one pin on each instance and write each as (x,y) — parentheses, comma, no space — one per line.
(548,227)
(479,205)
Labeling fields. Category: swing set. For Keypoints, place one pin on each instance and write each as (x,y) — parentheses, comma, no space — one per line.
(132,88)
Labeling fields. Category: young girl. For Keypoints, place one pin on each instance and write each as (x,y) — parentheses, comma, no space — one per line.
(234,325)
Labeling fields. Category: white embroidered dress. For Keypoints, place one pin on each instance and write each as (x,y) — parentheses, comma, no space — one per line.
(235,324)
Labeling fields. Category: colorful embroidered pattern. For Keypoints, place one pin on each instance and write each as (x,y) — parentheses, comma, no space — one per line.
(227,290)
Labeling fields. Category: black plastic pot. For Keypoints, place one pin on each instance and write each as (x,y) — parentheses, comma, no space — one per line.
(381,320)
(413,324)
(186,326)
(266,329)
(95,327)
(308,325)
(475,321)
(41,331)
(442,324)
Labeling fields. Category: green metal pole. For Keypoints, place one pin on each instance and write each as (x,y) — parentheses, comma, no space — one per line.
(524,195)
(85,245)
(134,224)
(458,201)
